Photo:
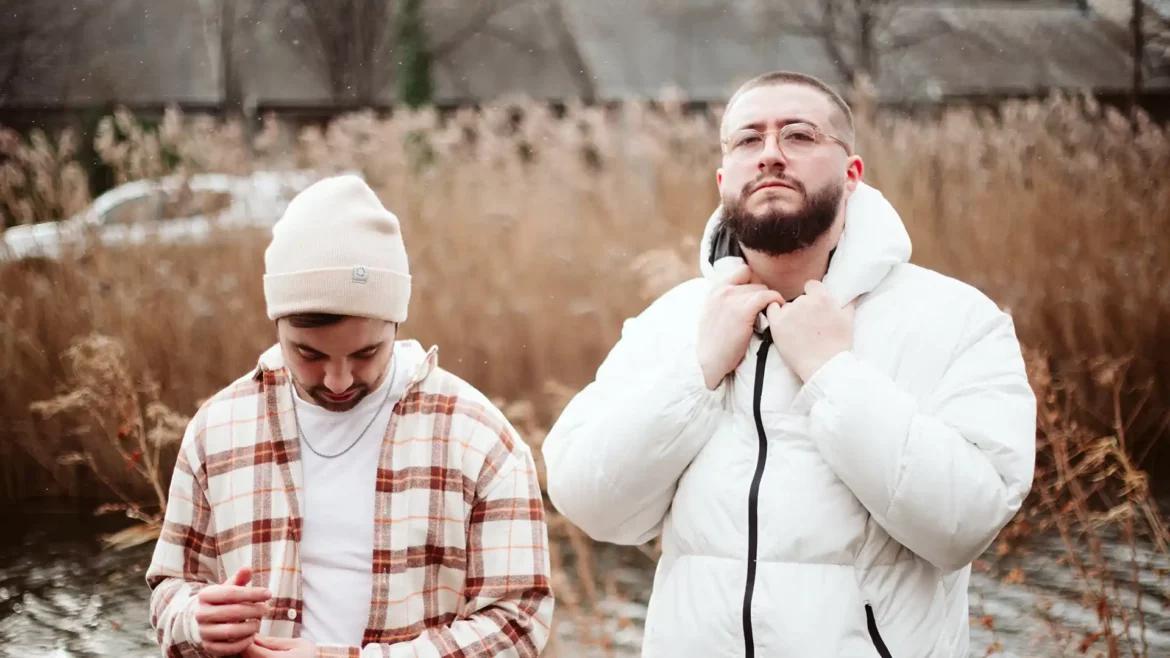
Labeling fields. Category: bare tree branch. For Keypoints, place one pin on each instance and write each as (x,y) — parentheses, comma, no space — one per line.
(351,41)
(352,37)
(828,32)
(487,9)
(1139,50)
(554,19)
(909,39)
(221,23)
(233,93)
(510,38)
(1158,43)
(855,33)
(462,88)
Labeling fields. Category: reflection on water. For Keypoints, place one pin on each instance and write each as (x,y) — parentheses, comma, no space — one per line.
(62,597)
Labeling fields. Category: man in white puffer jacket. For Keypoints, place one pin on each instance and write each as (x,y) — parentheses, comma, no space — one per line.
(825,435)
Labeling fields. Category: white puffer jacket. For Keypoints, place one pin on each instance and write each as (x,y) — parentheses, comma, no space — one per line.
(836,519)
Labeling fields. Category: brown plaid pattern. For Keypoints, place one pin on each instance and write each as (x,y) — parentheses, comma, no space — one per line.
(461,563)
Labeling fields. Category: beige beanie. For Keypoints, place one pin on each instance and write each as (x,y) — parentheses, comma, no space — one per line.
(337,250)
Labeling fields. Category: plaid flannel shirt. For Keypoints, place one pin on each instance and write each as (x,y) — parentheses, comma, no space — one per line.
(460,556)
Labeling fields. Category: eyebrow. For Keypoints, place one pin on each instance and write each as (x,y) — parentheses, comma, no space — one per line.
(761,125)
(367,348)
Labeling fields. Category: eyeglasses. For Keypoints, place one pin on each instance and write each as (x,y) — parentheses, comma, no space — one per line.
(794,140)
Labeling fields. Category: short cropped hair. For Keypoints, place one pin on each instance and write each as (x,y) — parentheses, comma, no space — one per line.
(843,119)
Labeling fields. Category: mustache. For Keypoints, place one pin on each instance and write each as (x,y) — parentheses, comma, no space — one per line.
(762,180)
(319,390)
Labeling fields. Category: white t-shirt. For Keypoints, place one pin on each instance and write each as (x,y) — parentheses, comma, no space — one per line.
(338,541)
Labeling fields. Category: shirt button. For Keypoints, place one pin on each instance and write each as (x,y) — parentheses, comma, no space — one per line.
(292,614)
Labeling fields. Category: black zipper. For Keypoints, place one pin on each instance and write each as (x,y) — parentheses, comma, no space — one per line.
(871,621)
(754,496)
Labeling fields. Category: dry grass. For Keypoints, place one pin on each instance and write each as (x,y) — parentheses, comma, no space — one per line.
(1089,492)
(532,236)
(40,178)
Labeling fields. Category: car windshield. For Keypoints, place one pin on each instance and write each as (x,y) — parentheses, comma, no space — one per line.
(134,210)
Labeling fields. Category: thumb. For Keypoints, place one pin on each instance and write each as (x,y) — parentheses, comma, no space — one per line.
(851,308)
(772,312)
(242,578)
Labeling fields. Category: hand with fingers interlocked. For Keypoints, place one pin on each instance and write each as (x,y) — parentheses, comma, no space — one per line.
(229,614)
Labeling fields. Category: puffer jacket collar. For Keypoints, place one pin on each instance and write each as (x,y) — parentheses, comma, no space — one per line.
(873,242)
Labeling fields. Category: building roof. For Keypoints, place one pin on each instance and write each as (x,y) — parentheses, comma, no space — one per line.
(138,51)
(703,47)
(1016,51)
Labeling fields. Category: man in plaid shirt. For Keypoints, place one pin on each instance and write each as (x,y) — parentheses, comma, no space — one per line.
(294,531)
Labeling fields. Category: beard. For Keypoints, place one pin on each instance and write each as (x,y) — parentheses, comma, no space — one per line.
(317,394)
(776,232)
(319,398)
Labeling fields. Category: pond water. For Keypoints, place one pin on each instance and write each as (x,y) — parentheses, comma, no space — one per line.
(61,596)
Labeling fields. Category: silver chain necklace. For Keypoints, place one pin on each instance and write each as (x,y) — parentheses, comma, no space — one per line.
(305,439)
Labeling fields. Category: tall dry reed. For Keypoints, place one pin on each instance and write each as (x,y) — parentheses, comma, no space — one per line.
(532,236)
(1058,211)
(40,178)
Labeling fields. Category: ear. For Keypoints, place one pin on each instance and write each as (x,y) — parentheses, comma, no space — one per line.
(719,177)
(854,169)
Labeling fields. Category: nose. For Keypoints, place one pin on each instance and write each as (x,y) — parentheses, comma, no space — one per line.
(771,157)
(338,378)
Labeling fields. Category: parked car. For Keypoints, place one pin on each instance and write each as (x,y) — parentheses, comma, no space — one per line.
(170,210)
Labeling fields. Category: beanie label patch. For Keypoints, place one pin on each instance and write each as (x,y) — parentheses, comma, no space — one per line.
(360,274)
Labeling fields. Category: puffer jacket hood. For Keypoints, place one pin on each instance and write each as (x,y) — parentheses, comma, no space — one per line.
(834,517)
